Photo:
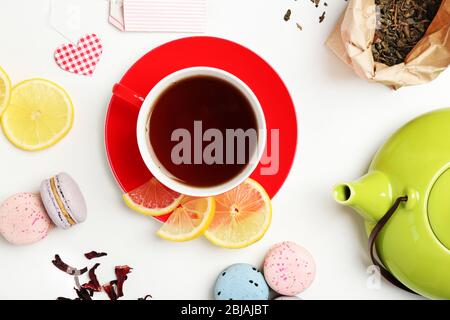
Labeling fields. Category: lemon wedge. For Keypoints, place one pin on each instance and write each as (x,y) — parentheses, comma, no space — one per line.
(189,220)
(242,217)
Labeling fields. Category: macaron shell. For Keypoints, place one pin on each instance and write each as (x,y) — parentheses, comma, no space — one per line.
(241,282)
(52,207)
(23,219)
(289,269)
(73,198)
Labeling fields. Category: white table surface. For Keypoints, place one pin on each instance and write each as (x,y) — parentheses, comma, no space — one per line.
(342,121)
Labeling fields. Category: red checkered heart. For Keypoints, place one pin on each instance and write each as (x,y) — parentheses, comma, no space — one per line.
(82,58)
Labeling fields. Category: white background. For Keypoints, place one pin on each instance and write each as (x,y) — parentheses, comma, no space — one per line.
(342,119)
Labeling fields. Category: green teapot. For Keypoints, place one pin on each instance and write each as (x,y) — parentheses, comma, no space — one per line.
(413,241)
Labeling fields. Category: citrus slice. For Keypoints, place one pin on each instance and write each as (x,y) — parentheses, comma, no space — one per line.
(190,220)
(242,216)
(152,199)
(5,90)
(40,114)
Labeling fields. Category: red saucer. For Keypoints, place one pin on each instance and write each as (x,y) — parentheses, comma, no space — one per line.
(120,128)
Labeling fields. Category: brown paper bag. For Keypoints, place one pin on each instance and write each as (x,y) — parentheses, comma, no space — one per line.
(352,41)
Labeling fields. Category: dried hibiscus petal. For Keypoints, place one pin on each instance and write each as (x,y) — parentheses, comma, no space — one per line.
(61,265)
(121,275)
(95,254)
(114,289)
(83,294)
(93,284)
(110,290)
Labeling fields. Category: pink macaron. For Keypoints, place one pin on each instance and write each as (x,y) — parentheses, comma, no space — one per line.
(23,219)
(289,269)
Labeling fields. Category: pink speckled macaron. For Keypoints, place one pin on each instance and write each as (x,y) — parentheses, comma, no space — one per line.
(23,219)
(289,269)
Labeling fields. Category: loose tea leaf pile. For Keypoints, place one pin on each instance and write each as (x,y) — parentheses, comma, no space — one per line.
(400,26)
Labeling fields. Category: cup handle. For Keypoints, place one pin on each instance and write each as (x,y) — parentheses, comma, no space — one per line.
(128,95)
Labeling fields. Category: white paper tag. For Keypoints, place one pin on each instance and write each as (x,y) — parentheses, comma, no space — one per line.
(73,19)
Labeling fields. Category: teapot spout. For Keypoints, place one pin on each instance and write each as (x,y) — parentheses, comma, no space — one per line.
(371,196)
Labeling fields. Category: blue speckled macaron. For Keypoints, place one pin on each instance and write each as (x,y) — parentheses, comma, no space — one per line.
(241,282)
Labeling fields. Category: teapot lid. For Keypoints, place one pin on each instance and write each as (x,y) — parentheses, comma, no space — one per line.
(439,208)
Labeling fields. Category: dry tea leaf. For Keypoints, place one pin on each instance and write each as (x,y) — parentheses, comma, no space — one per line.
(322,17)
(287,15)
(316,2)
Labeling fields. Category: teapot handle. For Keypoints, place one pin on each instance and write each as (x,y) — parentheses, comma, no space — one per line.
(372,239)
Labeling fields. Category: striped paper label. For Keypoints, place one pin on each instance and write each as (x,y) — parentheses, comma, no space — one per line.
(165,15)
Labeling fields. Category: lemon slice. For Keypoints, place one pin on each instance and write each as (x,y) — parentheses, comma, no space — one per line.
(189,220)
(152,199)
(242,216)
(5,90)
(40,114)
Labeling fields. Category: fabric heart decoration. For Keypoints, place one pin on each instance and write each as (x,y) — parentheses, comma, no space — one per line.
(82,58)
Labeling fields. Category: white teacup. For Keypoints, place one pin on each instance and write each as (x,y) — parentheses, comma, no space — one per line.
(143,122)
